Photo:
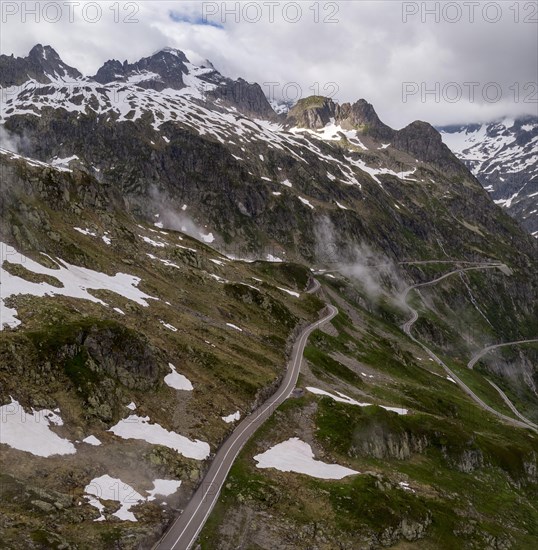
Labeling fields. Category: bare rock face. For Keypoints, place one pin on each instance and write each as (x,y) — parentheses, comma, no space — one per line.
(361,115)
(424,142)
(122,354)
(166,69)
(407,529)
(418,139)
(312,112)
(247,97)
(380,443)
(42,64)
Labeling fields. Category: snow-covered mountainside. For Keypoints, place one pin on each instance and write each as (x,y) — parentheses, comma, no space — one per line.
(503,156)
(42,79)
(189,119)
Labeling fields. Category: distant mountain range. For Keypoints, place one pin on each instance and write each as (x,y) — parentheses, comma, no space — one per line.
(165,124)
(503,156)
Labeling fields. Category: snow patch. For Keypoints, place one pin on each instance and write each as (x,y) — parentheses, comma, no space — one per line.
(110,488)
(76,281)
(177,381)
(168,326)
(92,440)
(232,417)
(296,456)
(290,292)
(163,487)
(306,202)
(139,427)
(30,432)
(209,238)
(87,232)
(341,398)
(156,244)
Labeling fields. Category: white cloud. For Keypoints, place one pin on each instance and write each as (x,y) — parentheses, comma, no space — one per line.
(368,53)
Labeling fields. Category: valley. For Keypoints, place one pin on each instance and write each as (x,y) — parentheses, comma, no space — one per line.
(225,327)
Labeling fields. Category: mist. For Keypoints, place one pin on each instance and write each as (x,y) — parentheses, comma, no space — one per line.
(377,274)
(172,218)
(12,142)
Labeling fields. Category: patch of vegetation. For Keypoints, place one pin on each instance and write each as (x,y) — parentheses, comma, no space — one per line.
(295,275)
(262,302)
(20,271)
(311,102)
(323,365)
(82,377)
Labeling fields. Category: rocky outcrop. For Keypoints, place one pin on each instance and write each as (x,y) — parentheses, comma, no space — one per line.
(122,354)
(408,529)
(379,442)
(248,98)
(42,64)
(165,69)
(361,115)
(100,360)
(424,142)
(467,461)
(312,112)
(316,111)
(419,139)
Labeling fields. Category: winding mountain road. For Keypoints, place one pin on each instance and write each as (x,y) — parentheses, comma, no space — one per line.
(512,407)
(408,325)
(183,532)
(478,355)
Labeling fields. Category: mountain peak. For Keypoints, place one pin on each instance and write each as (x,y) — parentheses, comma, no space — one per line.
(39,52)
(172,51)
(361,115)
(42,64)
(164,69)
(315,112)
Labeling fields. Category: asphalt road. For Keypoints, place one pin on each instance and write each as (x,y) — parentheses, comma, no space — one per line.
(183,532)
(477,356)
(512,407)
(408,325)
(186,528)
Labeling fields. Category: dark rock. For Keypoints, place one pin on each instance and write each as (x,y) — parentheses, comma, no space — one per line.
(42,64)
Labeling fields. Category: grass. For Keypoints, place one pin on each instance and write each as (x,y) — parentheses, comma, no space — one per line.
(20,271)
(445,434)
(235,370)
(371,505)
(311,102)
(476,381)
(324,366)
(45,364)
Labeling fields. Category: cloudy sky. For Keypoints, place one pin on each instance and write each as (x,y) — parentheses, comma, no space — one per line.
(444,62)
